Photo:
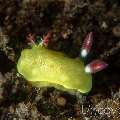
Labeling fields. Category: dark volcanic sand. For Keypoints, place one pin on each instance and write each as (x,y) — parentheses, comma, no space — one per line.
(19,100)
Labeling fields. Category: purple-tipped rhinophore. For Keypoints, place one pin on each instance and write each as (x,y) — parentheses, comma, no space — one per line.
(30,37)
(47,38)
(95,66)
(87,43)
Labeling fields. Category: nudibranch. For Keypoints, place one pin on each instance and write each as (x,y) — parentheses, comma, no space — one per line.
(48,68)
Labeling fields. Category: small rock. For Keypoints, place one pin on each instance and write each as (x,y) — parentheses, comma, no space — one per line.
(61,101)
(104,25)
(116,31)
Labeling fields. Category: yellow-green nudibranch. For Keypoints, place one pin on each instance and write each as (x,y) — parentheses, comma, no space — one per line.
(44,67)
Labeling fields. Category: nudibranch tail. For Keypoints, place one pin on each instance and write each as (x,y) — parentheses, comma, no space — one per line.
(95,66)
(87,44)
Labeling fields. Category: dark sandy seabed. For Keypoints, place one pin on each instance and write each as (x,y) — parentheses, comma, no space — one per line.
(19,100)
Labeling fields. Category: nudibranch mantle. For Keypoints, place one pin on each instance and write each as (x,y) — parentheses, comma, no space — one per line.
(44,67)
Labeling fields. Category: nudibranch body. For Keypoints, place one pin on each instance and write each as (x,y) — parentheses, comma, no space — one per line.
(44,67)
